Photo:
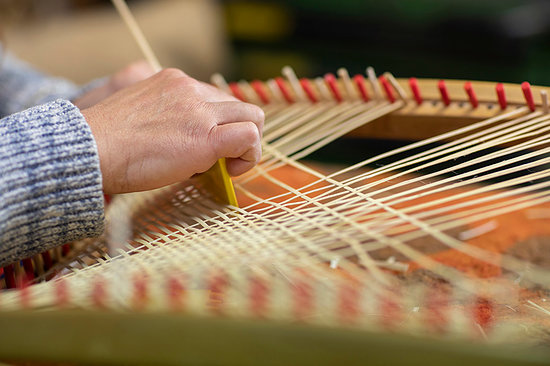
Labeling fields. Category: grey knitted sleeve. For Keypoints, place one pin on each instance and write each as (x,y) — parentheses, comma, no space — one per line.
(50,181)
(22,86)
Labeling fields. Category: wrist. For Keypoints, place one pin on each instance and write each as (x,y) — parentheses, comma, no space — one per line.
(93,117)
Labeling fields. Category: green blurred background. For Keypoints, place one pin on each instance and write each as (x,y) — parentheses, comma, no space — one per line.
(493,40)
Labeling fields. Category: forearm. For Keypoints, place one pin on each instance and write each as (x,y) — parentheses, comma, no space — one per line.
(50,186)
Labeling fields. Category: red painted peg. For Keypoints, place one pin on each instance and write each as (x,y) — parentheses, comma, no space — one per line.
(330,79)
(284,90)
(360,82)
(501,95)
(387,88)
(471,94)
(258,296)
(348,306)
(65,250)
(413,83)
(47,258)
(303,299)
(237,92)
(218,286)
(391,311)
(24,292)
(9,276)
(99,294)
(306,85)
(140,292)
(176,293)
(483,312)
(444,92)
(61,293)
(29,269)
(258,87)
(528,93)
(437,310)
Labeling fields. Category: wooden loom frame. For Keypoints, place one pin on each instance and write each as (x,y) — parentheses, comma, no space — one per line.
(110,337)
(96,337)
(414,121)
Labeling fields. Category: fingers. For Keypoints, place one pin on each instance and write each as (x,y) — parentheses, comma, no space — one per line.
(239,142)
(238,166)
(224,107)
(230,112)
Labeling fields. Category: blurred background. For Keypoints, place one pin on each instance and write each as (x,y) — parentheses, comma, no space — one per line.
(493,40)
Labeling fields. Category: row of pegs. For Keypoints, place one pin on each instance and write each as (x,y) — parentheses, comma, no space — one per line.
(19,274)
(472,97)
(344,300)
(291,89)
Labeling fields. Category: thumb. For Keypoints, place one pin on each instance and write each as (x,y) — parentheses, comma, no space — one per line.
(239,142)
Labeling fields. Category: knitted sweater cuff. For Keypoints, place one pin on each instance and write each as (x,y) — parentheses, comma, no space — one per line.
(50,186)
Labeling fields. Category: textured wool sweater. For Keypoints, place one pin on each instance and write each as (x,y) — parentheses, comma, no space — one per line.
(50,181)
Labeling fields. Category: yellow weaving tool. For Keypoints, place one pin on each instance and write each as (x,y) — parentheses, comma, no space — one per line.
(217,181)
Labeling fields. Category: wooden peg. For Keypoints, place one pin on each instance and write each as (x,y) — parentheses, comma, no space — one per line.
(343,74)
(258,87)
(528,94)
(471,94)
(415,89)
(236,91)
(395,85)
(444,92)
(219,81)
(306,86)
(387,88)
(290,75)
(333,86)
(545,104)
(360,82)
(501,96)
(284,90)
(374,83)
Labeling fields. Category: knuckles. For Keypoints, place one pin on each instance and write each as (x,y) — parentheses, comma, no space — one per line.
(249,147)
(259,116)
(249,135)
(180,83)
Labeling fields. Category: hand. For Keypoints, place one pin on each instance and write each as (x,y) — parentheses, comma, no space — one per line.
(166,128)
(130,75)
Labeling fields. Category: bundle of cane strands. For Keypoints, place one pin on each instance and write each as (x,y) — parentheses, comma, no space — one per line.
(446,236)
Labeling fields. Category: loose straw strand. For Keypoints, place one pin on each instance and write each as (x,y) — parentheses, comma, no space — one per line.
(138,35)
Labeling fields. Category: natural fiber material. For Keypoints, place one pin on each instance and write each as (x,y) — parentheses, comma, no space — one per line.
(407,240)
